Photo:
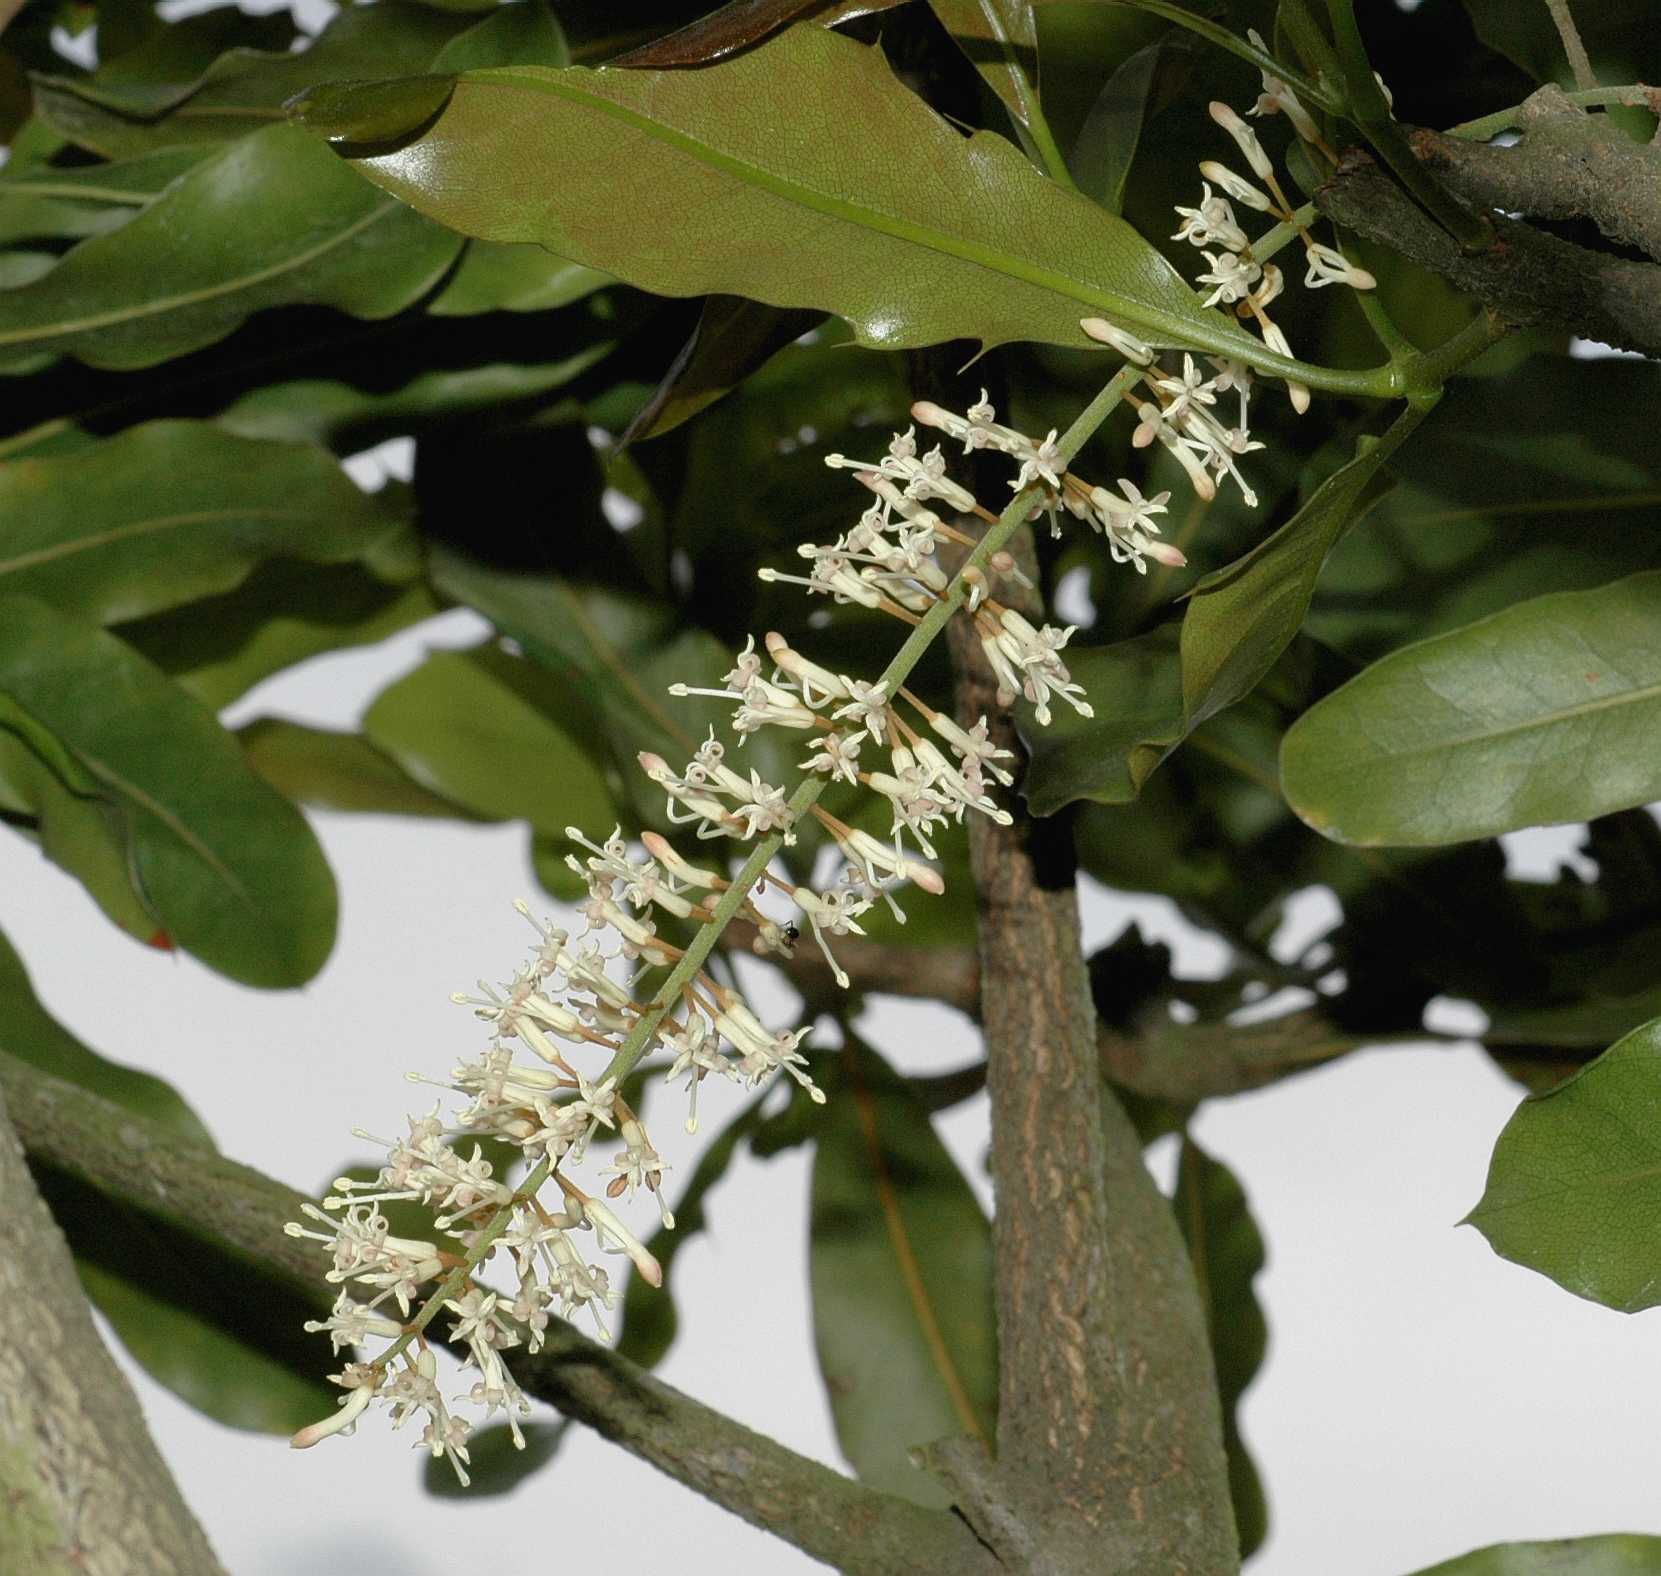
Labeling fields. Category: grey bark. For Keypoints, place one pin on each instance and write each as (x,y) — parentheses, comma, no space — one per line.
(1109,1450)
(83,1489)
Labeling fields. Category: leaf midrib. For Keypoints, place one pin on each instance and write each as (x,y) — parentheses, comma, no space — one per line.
(1553,719)
(135,528)
(24,336)
(1196,330)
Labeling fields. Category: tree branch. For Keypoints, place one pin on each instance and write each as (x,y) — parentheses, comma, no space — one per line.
(1567,164)
(84,1488)
(1527,277)
(945,973)
(1110,1452)
(194,1187)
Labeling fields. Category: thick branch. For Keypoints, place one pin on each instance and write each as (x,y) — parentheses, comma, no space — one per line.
(197,1189)
(1567,164)
(1527,276)
(1110,1453)
(84,1488)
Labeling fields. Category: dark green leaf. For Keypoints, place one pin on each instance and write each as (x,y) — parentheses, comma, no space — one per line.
(336,771)
(1241,617)
(1495,502)
(173,511)
(1001,40)
(219,648)
(181,101)
(1574,1187)
(902,1282)
(33,1035)
(618,654)
(457,728)
(231,869)
(273,219)
(71,203)
(497,277)
(346,416)
(1619,36)
(78,831)
(1615,1554)
(1133,688)
(1227,1250)
(1541,714)
(733,338)
(924,237)
(495,1465)
(1112,132)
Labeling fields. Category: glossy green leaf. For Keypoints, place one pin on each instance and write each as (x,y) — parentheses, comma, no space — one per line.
(284,613)
(180,101)
(271,220)
(1134,691)
(649,1320)
(33,1035)
(231,869)
(1242,617)
(1614,1554)
(456,727)
(521,33)
(901,1268)
(924,237)
(1227,1250)
(336,771)
(172,511)
(496,277)
(1574,1186)
(495,1465)
(223,1337)
(1001,40)
(1541,714)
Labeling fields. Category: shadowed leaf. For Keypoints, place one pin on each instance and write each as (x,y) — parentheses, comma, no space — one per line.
(1227,1250)
(172,511)
(901,1268)
(231,869)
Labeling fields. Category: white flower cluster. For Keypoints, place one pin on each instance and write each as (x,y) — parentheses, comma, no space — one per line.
(1236,277)
(572,1001)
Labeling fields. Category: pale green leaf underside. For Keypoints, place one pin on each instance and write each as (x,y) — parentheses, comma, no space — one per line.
(861,201)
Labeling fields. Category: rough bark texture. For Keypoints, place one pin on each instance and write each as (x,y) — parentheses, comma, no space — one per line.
(82,1487)
(1568,165)
(1110,1456)
(193,1187)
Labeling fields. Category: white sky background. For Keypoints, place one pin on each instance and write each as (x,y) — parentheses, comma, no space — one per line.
(1421,1396)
